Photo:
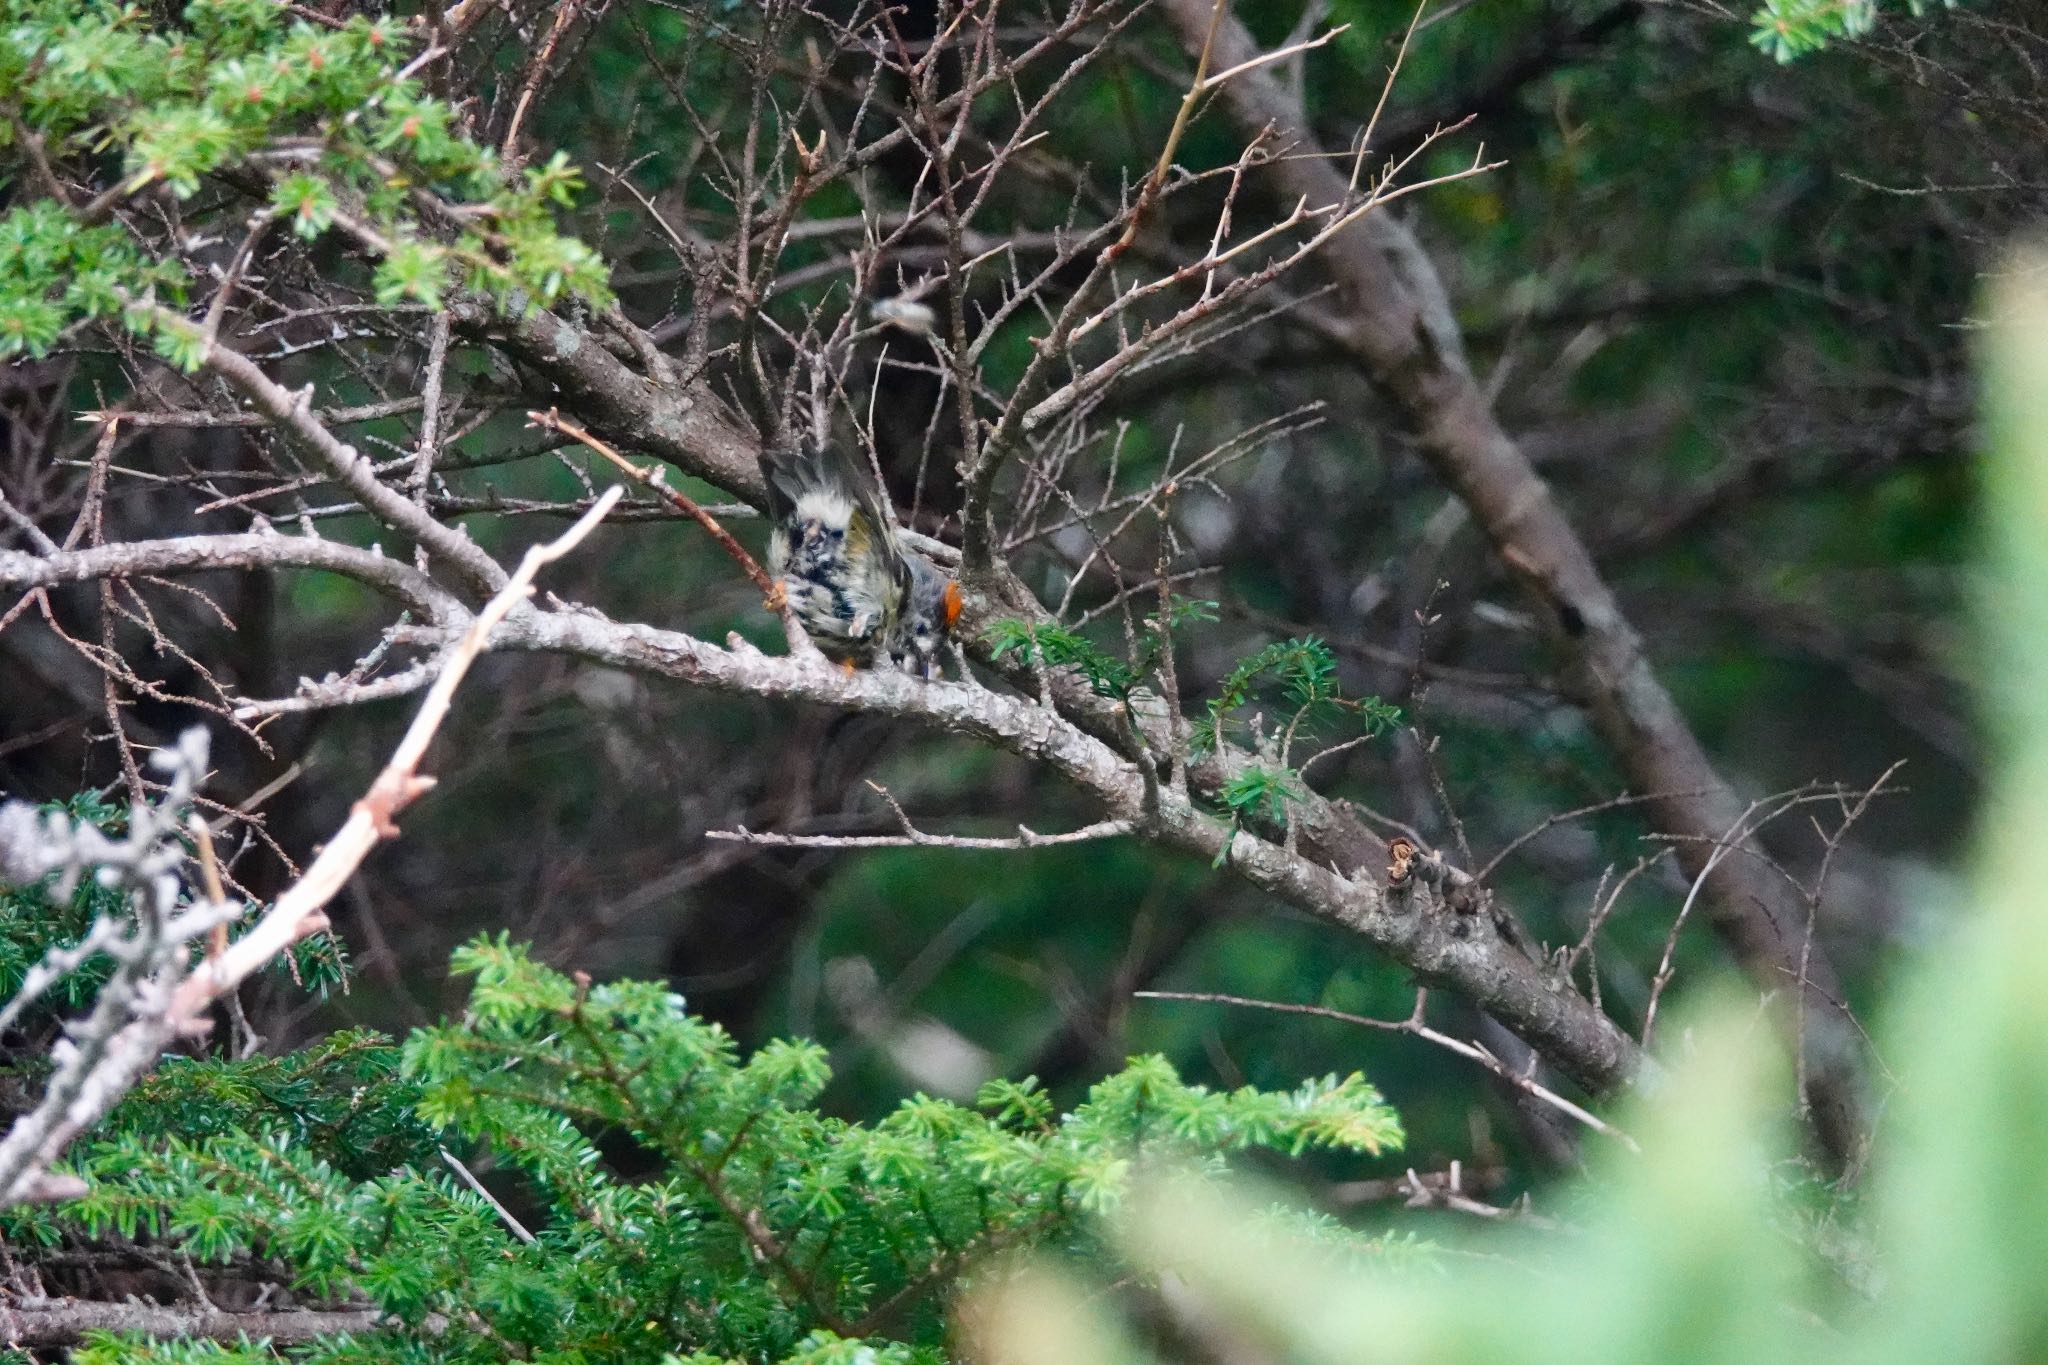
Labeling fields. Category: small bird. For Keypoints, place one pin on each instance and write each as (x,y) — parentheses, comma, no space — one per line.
(865,599)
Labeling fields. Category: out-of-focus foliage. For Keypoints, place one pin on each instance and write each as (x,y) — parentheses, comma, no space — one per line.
(685,1198)
(1693,1252)
(1788,28)
(1730,351)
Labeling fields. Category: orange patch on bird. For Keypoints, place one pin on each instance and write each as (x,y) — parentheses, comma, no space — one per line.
(951,605)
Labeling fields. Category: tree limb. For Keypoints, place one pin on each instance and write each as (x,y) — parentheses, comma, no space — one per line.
(1397,326)
(1412,925)
(248,550)
(64,1322)
(353,470)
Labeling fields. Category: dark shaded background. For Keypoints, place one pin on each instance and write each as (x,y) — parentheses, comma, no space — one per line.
(1725,304)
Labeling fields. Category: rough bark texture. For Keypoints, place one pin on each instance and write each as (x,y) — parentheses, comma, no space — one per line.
(688,426)
(1460,951)
(1395,323)
(64,1322)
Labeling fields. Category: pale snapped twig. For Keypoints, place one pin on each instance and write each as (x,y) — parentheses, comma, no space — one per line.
(128,1029)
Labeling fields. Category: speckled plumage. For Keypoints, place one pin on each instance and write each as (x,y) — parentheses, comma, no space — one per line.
(863,598)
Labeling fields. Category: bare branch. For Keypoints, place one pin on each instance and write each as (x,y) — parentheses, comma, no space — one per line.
(1414,1025)
(293,413)
(156,998)
(1025,838)
(1579,1041)
(65,1322)
(554,421)
(249,550)
(512,1225)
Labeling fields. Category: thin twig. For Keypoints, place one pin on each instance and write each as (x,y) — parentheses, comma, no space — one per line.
(652,479)
(1181,117)
(1832,844)
(1550,822)
(1025,838)
(518,1229)
(1413,1025)
(1736,835)
(120,1056)
(565,14)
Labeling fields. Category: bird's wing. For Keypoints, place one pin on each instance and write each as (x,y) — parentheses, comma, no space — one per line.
(790,473)
(860,482)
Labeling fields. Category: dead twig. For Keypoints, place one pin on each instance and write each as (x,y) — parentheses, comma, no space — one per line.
(1025,838)
(652,479)
(1413,1025)
(123,1038)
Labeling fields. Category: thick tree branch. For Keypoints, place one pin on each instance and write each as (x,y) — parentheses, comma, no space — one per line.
(1397,326)
(64,1322)
(248,550)
(688,426)
(1411,925)
(353,470)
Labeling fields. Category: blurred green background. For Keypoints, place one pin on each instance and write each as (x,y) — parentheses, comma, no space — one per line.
(1724,303)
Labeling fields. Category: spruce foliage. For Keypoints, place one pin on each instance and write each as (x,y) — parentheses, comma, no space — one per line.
(344,131)
(1789,29)
(684,1200)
